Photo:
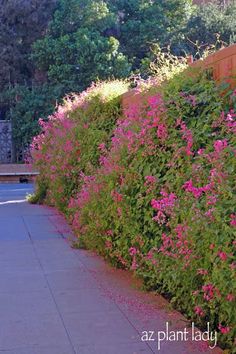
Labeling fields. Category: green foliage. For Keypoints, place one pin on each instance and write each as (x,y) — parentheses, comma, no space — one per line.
(39,195)
(161,64)
(17,36)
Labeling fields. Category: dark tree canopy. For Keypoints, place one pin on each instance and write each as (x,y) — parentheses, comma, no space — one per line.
(21,23)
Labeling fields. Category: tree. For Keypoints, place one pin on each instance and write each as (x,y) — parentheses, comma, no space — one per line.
(74,14)
(210,25)
(150,22)
(21,23)
(75,52)
(27,105)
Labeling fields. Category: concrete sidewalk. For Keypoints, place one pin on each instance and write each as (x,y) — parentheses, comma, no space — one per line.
(57,300)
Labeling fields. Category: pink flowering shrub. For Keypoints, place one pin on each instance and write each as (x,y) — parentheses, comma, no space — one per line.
(69,145)
(153,190)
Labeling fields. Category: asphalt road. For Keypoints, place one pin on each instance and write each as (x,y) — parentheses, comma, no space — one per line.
(14,192)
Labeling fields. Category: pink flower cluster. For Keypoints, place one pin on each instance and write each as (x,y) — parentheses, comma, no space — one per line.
(150,180)
(133,251)
(186,135)
(196,191)
(199,311)
(202,271)
(150,183)
(224,329)
(177,245)
(220,145)
(210,291)
(233,220)
(222,255)
(164,206)
(117,197)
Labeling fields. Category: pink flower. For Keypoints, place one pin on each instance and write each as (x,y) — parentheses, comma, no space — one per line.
(134,265)
(42,123)
(230,297)
(160,218)
(224,330)
(233,266)
(223,256)
(198,310)
(202,271)
(230,122)
(220,145)
(209,214)
(186,135)
(167,202)
(150,179)
(164,206)
(181,231)
(196,191)
(233,220)
(133,251)
(211,200)
(234,93)
(193,100)
(188,186)
(108,244)
(117,197)
(102,147)
(208,290)
(154,101)
(162,132)
(149,256)
(200,151)
(119,212)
